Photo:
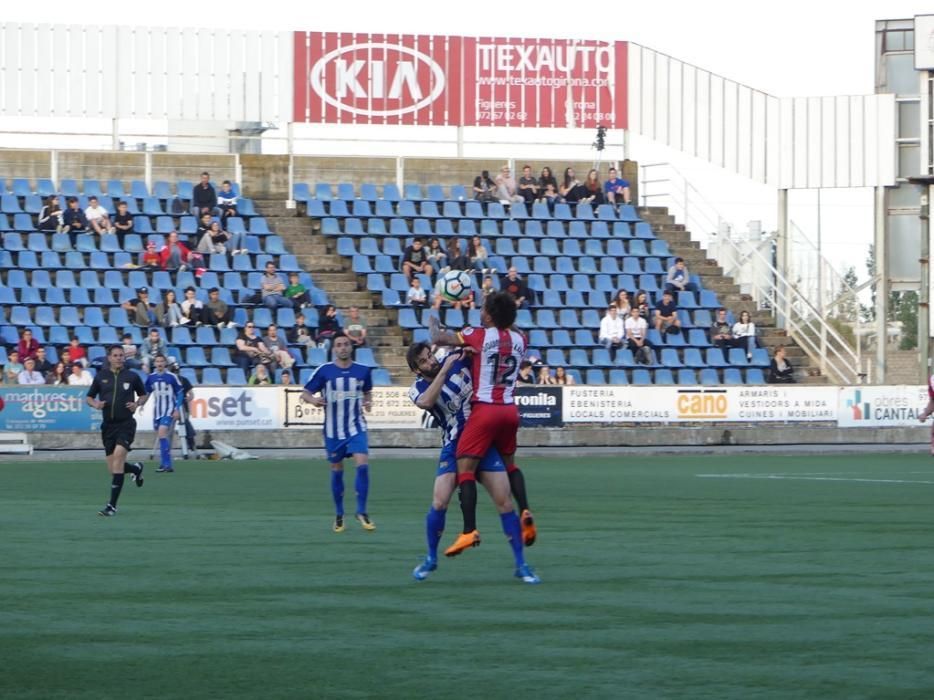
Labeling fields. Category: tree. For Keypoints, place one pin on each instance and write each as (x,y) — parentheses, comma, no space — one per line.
(848,308)
(907,313)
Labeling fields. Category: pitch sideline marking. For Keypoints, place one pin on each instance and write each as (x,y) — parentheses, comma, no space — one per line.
(811,478)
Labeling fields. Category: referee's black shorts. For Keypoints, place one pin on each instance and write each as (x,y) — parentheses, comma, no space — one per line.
(119,433)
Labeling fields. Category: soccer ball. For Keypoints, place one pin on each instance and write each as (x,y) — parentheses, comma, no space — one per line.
(453,285)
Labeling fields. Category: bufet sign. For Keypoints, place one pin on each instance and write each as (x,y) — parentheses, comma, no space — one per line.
(346,78)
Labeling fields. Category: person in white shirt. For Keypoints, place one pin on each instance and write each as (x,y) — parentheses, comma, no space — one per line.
(79,375)
(416,295)
(29,375)
(98,217)
(636,329)
(612,333)
(744,334)
(192,307)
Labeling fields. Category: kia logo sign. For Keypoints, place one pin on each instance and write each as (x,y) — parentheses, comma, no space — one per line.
(379,74)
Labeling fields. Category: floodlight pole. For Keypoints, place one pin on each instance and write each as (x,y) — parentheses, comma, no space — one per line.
(925,185)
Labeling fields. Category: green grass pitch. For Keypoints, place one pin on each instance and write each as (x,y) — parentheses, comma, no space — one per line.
(224,580)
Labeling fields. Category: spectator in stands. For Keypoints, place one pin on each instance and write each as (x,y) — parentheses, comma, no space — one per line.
(250,349)
(98,217)
(273,289)
(42,362)
(50,216)
(29,375)
(300,334)
(546,179)
(259,377)
(744,333)
(416,295)
(217,312)
(141,310)
(74,221)
(612,333)
(192,308)
(13,368)
(544,375)
(636,331)
(437,258)
(58,376)
(622,303)
(562,377)
(616,189)
(721,334)
(285,379)
(204,226)
(175,255)
(415,260)
(666,315)
(130,352)
(679,279)
(526,374)
(79,375)
(478,253)
(296,292)
(641,303)
(65,356)
(550,196)
(214,240)
(355,329)
(515,286)
(484,189)
(169,312)
(456,259)
(76,352)
(594,189)
(486,288)
(149,258)
(328,326)
(203,196)
(571,189)
(27,345)
(528,185)
(227,202)
(153,345)
(506,188)
(780,370)
(277,348)
(123,222)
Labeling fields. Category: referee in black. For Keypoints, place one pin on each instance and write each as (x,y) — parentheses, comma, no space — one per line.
(117,393)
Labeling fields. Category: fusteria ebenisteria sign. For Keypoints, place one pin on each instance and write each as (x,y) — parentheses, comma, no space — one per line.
(458,81)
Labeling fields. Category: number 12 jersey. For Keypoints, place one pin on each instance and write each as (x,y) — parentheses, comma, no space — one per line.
(497,354)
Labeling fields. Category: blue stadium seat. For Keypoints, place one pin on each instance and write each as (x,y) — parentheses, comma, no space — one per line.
(687,377)
(669,358)
(737,357)
(732,376)
(554,357)
(715,358)
(754,376)
(708,377)
(594,376)
(642,377)
(618,377)
(220,357)
(760,358)
(693,358)
(577,357)
(212,376)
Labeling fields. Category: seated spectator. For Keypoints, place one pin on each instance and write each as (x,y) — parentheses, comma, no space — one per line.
(259,377)
(203,196)
(679,279)
(12,368)
(123,222)
(744,334)
(526,374)
(416,295)
(296,292)
(616,189)
(622,303)
(355,329)
(175,255)
(217,313)
(477,253)
(544,375)
(43,365)
(514,285)
(277,348)
(506,189)
(214,239)
(328,326)
(484,189)
(250,350)
(721,334)
(51,215)
(27,345)
(486,288)
(76,352)
(594,189)
(780,370)
(169,312)
(612,333)
(74,221)
(300,334)
(65,356)
(58,376)
(436,256)
(273,289)
(285,379)
(641,303)
(528,186)
(546,179)
(29,375)
(666,315)
(153,345)
(227,202)
(562,377)
(193,308)
(79,375)
(98,217)
(149,258)
(636,331)
(456,259)
(415,260)
(550,196)
(204,226)
(130,352)
(571,190)
(142,312)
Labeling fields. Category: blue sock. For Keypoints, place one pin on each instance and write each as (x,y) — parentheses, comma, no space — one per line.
(337,490)
(513,531)
(165,451)
(434,528)
(362,486)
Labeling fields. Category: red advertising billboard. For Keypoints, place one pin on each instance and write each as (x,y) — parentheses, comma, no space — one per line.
(347,78)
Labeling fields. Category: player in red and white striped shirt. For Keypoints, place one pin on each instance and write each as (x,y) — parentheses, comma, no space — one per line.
(494,418)
(929,409)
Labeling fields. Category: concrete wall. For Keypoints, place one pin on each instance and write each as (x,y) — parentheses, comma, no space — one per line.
(102,165)
(188,166)
(356,170)
(29,164)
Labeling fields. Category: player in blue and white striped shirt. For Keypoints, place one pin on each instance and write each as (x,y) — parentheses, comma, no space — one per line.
(166,395)
(443,390)
(344,389)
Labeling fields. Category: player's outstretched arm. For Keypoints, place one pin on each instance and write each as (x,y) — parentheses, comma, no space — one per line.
(440,336)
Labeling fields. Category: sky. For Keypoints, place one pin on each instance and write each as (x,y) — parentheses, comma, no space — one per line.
(792,48)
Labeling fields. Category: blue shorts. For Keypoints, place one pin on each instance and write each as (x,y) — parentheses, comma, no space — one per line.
(339,449)
(447,462)
(159,422)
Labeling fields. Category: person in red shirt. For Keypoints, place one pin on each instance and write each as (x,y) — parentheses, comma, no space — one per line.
(174,255)
(76,352)
(27,345)
(497,351)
